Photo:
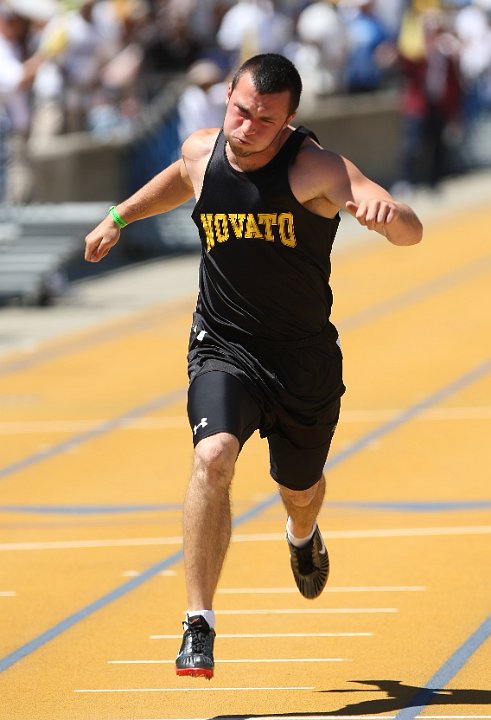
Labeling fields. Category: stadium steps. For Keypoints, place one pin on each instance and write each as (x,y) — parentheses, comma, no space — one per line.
(41,247)
(36,243)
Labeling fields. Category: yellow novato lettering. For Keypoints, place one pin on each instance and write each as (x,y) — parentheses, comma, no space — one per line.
(268,220)
(221,227)
(218,227)
(237,222)
(252,229)
(207,223)
(286,230)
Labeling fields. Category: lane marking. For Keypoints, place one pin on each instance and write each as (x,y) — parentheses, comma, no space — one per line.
(252,537)
(434,398)
(272,635)
(68,426)
(7,593)
(445,413)
(239,661)
(89,544)
(436,506)
(291,590)
(447,671)
(416,294)
(175,422)
(374,533)
(90,509)
(94,432)
(307,611)
(83,339)
(136,573)
(188,689)
(121,590)
(413,506)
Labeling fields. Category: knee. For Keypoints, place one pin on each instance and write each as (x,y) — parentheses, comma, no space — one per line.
(300,498)
(215,457)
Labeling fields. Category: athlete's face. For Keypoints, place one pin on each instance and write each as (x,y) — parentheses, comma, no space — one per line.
(254,122)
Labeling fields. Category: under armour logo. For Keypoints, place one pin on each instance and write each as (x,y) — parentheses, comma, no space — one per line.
(201,424)
(201,333)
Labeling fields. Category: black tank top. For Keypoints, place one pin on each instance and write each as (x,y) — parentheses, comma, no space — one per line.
(265,262)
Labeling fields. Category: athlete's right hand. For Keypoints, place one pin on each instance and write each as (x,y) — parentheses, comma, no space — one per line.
(101,240)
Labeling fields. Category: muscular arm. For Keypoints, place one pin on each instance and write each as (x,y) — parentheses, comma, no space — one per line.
(164,192)
(376,209)
(327,182)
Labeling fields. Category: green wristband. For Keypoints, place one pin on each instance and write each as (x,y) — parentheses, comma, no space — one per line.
(117,217)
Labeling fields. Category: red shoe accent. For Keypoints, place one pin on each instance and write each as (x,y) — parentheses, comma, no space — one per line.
(195,672)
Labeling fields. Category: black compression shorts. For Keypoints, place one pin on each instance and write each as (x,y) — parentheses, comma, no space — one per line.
(219,402)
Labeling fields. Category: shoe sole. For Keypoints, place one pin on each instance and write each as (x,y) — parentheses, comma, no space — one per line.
(308,586)
(195,672)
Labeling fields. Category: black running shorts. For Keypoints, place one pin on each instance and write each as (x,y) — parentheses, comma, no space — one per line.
(219,402)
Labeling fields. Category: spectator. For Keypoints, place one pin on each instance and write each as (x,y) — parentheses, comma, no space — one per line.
(252,26)
(319,52)
(202,104)
(123,88)
(171,46)
(430,96)
(390,13)
(85,55)
(473,30)
(369,51)
(16,75)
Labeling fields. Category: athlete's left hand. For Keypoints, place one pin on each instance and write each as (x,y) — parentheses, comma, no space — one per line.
(374,214)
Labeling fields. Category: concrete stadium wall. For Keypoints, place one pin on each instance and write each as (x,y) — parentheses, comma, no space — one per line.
(77,168)
(365,128)
(81,168)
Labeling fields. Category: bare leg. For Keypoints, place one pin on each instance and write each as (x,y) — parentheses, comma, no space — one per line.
(303,506)
(207,517)
(310,562)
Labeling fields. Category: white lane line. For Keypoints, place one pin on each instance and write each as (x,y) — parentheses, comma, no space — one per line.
(252,537)
(137,573)
(236,661)
(443,413)
(291,590)
(188,689)
(77,426)
(272,635)
(181,421)
(7,593)
(83,544)
(375,533)
(306,611)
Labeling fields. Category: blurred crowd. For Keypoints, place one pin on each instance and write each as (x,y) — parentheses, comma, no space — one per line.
(95,65)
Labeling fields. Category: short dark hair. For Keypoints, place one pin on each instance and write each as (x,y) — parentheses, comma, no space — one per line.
(272,73)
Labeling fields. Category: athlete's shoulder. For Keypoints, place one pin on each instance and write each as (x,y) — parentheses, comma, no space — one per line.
(200,143)
(312,158)
(312,150)
(321,176)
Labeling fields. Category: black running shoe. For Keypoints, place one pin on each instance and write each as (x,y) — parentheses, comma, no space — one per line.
(195,656)
(310,565)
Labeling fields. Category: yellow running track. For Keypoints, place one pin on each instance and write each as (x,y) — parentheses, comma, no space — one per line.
(95,456)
